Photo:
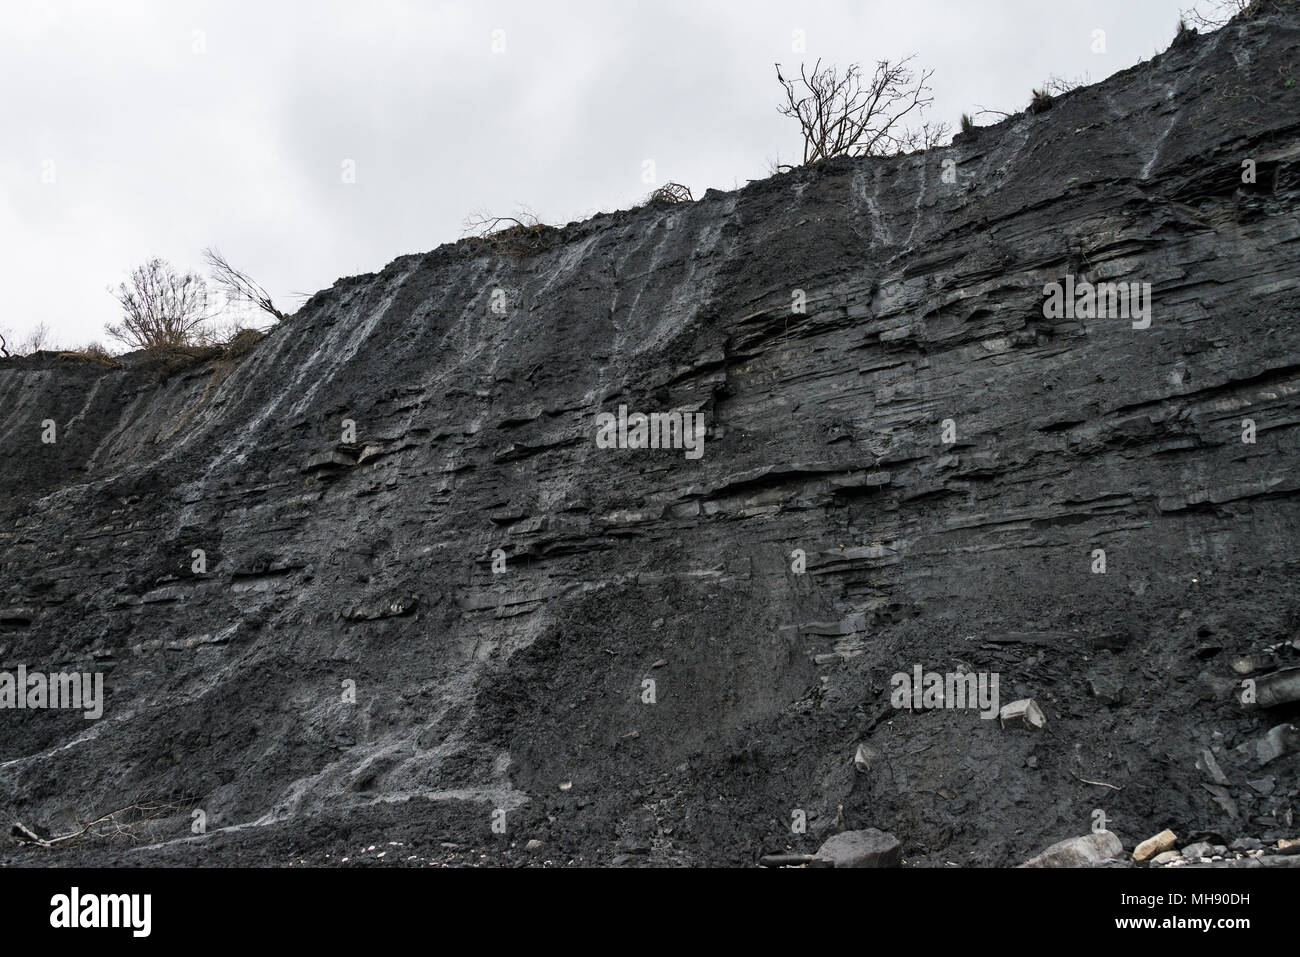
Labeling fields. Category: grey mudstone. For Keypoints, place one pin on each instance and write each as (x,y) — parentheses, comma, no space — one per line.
(866,848)
(1079,851)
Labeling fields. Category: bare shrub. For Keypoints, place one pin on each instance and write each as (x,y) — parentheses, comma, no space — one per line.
(930,135)
(519,234)
(161,308)
(1041,98)
(38,339)
(35,341)
(848,114)
(481,224)
(1058,85)
(670,194)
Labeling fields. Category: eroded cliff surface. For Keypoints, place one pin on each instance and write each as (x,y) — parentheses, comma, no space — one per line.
(474,381)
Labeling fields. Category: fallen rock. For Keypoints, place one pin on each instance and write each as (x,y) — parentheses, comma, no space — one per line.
(1281,687)
(1199,849)
(1264,785)
(1079,851)
(867,848)
(1223,798)
(1155,845)
(533,845)
(1249,664)
(1280,740)
(1106,689)
(1166,857)
(865,758)
(1207,763)
(1024,713)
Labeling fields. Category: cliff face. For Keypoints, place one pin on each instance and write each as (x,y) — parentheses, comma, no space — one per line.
(828,537)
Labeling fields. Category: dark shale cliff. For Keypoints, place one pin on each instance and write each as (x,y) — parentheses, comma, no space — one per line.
(330,561)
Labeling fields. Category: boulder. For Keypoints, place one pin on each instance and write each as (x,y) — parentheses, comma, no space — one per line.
(866,848)
(1079,851)
(1281,687)
(1152,846)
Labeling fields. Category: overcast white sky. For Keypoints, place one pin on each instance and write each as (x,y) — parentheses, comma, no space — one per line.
(138,129)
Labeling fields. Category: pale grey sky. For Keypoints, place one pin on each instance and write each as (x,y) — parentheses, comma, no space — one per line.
(137,128)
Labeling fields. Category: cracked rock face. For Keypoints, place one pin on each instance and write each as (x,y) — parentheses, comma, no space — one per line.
(377,580)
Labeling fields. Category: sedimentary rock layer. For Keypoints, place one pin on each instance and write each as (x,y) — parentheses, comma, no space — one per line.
(917,467)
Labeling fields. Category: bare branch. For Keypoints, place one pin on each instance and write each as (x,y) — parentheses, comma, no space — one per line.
(238,285)
(1057,85)
(124,822)
(1216,13)
(481,224)
(35,341)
